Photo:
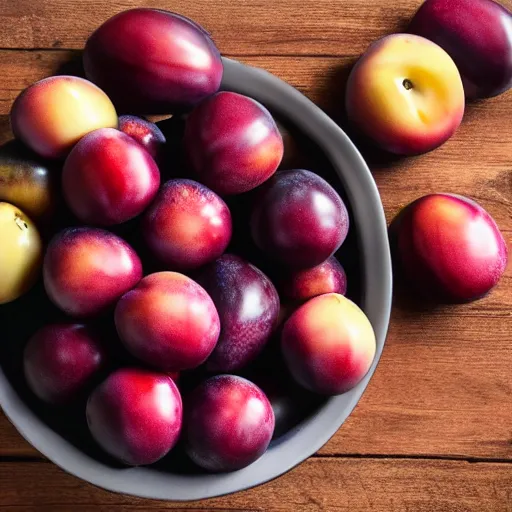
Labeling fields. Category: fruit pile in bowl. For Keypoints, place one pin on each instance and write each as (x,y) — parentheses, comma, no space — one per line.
(175,298)
(184,302)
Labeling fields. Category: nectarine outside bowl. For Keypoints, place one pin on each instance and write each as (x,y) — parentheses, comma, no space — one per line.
(64,440)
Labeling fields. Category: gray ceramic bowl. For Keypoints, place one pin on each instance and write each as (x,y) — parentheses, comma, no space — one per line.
(314,430)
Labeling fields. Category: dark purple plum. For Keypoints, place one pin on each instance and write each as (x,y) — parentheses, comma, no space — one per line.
(477,34)
(151,61)
(248,307)
(232,143)
(61,360)
(299,219)
(328,277)
(146,133)
(228,423)
(135,415)
(187,226)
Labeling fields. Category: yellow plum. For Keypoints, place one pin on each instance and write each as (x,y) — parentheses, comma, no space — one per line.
(406,94)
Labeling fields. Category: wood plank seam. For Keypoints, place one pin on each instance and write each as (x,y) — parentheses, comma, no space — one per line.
(234,55)
(370,456)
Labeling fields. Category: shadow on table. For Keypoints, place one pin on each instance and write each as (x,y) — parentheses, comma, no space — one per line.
(73,66)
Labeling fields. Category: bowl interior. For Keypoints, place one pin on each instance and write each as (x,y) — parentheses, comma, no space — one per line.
(303,421)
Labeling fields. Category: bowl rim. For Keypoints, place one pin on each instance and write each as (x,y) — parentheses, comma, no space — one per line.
(309,436)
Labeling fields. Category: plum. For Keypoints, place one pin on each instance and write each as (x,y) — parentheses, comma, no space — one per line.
(228,423)
(53,114)
(328,277)
(27,182)
(168,321)
(146,133)
(248,307)
(187,225)
(61,360)
(449,247)
(232,143)
(21,253)
(136,415)
(109,178)
(477,34)
(151,61)
(328,344)
(86,270)
(405,94)
(299,219)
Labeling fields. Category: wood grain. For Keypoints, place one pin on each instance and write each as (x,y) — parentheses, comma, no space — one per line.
(443,389)
(251,27)
(352,485)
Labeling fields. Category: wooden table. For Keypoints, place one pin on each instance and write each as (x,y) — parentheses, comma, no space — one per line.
(433,431)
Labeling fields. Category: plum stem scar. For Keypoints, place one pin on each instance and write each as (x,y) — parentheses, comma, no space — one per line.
(407,84)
